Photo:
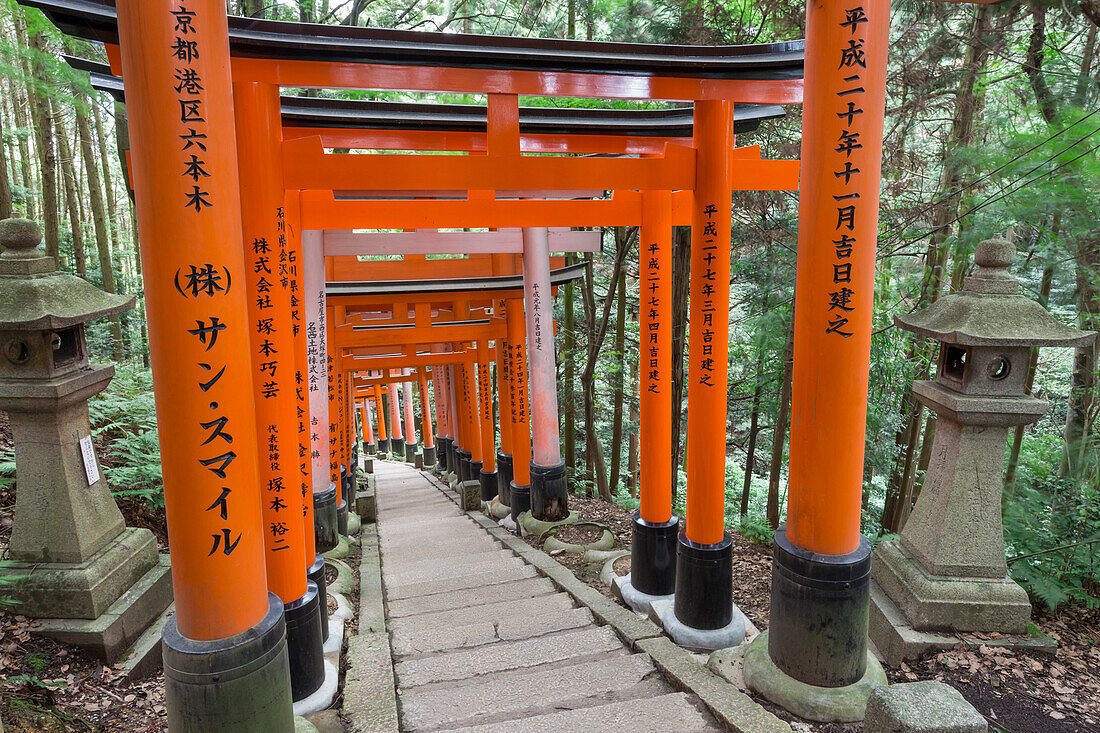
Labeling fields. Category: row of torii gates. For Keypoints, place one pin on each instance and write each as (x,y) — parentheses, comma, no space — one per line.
(267,330)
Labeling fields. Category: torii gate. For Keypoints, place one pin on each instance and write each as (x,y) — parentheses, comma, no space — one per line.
(187,222)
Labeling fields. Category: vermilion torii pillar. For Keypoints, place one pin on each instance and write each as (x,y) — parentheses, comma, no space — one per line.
(397,438)
(225,620)
(272,345)
(504,401)
(520,430)
(442,418)
(549,492)
(821,569)
(655,529)
(368,428)
(325,499)
(704,563)
(383,442)
(410,423)
(427,435)
(487,476)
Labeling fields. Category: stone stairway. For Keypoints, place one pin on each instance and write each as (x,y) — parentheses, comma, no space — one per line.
(481,642)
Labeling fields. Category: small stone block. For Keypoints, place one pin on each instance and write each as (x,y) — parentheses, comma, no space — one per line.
(921,707)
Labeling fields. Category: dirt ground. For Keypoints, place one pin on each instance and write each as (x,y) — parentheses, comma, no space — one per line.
(1016,692)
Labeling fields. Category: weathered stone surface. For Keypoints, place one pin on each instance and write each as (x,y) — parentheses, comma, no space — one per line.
(505,655)
(112,632)
(824,704)
(370,700)
(921,707)
(458,569)
(935,602)
(418,564)
(672,712)
(736,710)
(470,599)
(525,608)
(87,589)
(410,639)
(475,580)
(498,697)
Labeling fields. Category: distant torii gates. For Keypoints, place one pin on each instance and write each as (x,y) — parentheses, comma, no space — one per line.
(207,172)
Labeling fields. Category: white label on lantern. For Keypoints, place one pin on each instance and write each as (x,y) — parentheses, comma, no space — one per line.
(91,468)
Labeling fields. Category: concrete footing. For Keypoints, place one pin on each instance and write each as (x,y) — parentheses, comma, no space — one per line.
(323,696)
(823,704)
(663,613)
(622,589)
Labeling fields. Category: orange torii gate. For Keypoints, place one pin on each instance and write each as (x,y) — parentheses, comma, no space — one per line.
(223,618)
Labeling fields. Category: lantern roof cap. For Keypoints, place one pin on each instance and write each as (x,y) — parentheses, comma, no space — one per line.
(35,296)
(989,311)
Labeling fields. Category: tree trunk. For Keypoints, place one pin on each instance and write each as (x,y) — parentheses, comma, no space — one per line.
(634,445)
(108,181)
(750,454)
(42,114)
(779,437)
(68,178)
(99,219)
(681,272)
(141,301)
(1081,412)
(569,377)
(1029,383)
(617,381)
(19,113)
(253,8)
(5,183)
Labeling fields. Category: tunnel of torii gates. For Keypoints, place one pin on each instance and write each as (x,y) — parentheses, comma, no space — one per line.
(213,162)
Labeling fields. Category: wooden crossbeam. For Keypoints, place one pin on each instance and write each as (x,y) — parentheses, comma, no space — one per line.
(349,243)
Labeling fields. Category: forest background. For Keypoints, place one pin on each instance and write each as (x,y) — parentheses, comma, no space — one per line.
(992,126)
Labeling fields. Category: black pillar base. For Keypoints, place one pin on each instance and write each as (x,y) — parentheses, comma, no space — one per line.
(325,519)
(410,452)
(653,556)
(488,484)
(452,459)
(238,683)
(443,451)
(429,458)
(348,489)
(397,447)
(504,478)
(342,517)
(316,573)
(704,582)
(475,470)
(819,610)
(549,492)
(520,497)
(371,449)
(383,448)
(464,460)
(304,643)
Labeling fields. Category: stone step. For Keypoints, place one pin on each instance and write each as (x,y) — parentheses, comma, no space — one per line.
(504,656)
(143,659)
(413,639)
(672,712)
(454,568)
(401,551)
(464,582)
(493,698)
(419,526)
(396,567)
(525,608)
(470,599)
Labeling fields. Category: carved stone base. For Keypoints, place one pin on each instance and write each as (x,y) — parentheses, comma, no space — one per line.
(947,603)
(110,635)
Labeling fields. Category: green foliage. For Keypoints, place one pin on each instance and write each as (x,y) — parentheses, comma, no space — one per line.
(757,530)
(7,603)
(1047,512)
(7,467)
(125,414)
(37,661)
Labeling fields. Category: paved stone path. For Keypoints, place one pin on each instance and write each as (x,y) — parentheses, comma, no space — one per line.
(482,643)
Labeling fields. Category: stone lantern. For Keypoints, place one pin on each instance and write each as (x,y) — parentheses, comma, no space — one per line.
(71,553)
(947,572)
